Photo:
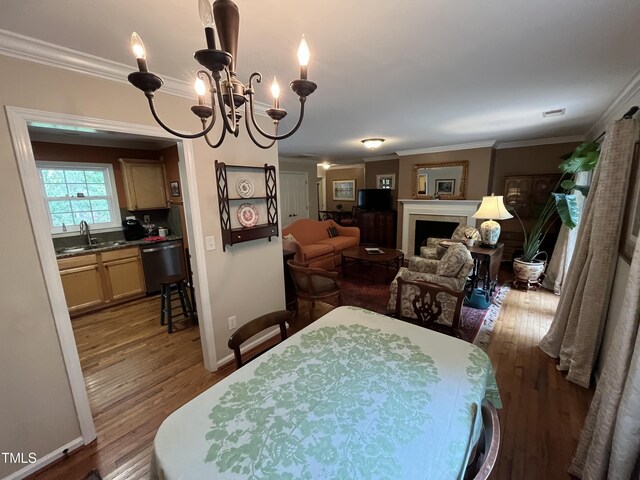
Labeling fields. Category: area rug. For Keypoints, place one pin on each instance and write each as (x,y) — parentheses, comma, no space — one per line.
(476,324)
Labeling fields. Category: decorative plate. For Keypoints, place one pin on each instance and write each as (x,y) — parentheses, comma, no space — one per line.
(244,188)
(247,215)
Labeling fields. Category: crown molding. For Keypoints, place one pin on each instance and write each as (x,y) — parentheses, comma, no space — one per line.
(55,56)
(541,141)
(448,148)
(393,156)
(617,107)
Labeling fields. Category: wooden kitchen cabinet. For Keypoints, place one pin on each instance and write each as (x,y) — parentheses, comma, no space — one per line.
(145,184)
(96,280)
(82,282)
(123,274)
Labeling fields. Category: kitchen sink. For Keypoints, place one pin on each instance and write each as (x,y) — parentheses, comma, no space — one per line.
(85,248)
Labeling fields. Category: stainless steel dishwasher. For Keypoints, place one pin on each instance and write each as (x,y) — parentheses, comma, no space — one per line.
(161,260)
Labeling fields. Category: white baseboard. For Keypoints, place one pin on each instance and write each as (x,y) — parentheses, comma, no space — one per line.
(249,346)
(46,460)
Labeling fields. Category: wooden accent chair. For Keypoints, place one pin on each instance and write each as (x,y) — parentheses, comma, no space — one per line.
(313,284)
(351,221)
(257,325)
(427,305)
(488,446)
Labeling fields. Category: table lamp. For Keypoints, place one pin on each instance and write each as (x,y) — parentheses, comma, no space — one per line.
(492,208)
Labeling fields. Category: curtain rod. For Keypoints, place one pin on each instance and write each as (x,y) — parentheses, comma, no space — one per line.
(630,113)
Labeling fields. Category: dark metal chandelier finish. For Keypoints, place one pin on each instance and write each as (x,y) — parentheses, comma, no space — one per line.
(223,85)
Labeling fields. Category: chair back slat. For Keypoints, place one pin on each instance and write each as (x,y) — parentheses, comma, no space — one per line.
(255,326)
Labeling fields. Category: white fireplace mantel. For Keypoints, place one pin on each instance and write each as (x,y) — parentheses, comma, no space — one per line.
(445,208)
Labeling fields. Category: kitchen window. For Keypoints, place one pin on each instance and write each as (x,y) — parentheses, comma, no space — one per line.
(74,192)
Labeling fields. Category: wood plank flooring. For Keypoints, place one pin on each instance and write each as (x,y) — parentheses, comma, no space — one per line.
(136,375)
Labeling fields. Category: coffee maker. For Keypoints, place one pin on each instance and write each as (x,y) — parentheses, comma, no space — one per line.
(133,229)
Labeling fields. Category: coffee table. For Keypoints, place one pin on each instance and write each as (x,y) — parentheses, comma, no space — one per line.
(358,255)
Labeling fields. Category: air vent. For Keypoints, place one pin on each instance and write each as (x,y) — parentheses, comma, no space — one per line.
(553,113)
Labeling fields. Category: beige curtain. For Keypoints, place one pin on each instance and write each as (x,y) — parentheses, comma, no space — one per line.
(576,331)
(610,441)
(558,267)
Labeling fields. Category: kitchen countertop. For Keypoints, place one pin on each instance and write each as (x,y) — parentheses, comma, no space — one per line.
(106,248)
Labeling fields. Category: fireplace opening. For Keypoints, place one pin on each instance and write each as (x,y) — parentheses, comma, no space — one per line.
(431,229)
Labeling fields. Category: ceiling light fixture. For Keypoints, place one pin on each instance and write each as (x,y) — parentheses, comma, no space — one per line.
(372,143)
(221,82)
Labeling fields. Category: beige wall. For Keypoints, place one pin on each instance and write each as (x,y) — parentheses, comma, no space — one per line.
(334,174)
(478,174)
(382,167)
(290,164)
(535,160)
(36,411)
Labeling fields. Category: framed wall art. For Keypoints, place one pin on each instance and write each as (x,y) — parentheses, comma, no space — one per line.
(175,189)
(445,186)
(387,180)
(344,190)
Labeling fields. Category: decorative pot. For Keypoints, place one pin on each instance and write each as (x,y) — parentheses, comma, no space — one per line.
(527,274)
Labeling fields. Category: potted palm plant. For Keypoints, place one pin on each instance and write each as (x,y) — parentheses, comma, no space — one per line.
(561,203)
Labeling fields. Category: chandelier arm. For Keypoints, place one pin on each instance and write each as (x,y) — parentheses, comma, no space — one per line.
(276,137)
(258,144)
(220,140)
(170,130)
(233,130)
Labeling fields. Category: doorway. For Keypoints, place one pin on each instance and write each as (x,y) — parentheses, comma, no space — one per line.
(294,196)
(19,121)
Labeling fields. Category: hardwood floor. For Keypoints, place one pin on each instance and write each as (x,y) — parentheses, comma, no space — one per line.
(136,375)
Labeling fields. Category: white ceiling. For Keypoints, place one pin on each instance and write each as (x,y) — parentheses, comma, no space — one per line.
(418,73)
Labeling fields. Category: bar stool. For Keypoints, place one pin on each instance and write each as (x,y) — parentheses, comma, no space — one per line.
(166,304)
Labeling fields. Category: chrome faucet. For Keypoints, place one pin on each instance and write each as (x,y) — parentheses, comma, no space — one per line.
(84,230)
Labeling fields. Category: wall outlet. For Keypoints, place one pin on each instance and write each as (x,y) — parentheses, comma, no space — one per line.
(146,218)
(211,242)
(232,322)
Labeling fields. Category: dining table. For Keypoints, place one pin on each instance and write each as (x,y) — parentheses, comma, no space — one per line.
(353,395)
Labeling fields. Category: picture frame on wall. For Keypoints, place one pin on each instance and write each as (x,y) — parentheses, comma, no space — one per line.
(387,180)
(445,186)
(631,219)
(175,188)
(344,190)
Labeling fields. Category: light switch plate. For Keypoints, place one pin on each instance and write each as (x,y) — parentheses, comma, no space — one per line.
(211,242)
(232,322)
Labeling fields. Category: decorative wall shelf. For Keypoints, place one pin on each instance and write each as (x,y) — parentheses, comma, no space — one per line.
(228,205)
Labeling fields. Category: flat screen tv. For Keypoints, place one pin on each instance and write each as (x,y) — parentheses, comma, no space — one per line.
(378,199)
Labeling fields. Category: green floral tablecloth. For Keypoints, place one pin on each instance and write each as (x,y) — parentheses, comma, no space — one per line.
(354,395)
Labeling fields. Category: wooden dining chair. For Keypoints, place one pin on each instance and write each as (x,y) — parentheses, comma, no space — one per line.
(428,302)
(486,454)
(257,325)
(314,284)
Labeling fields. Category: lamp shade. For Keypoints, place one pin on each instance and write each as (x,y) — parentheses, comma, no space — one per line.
(492,208)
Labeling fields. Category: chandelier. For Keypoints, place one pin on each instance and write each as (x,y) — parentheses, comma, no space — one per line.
(221,81)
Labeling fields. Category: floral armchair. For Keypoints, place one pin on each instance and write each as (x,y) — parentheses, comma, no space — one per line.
(462,232)
(445,280)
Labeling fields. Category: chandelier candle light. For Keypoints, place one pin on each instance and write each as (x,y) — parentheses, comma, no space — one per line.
(492,208)
(223,86)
